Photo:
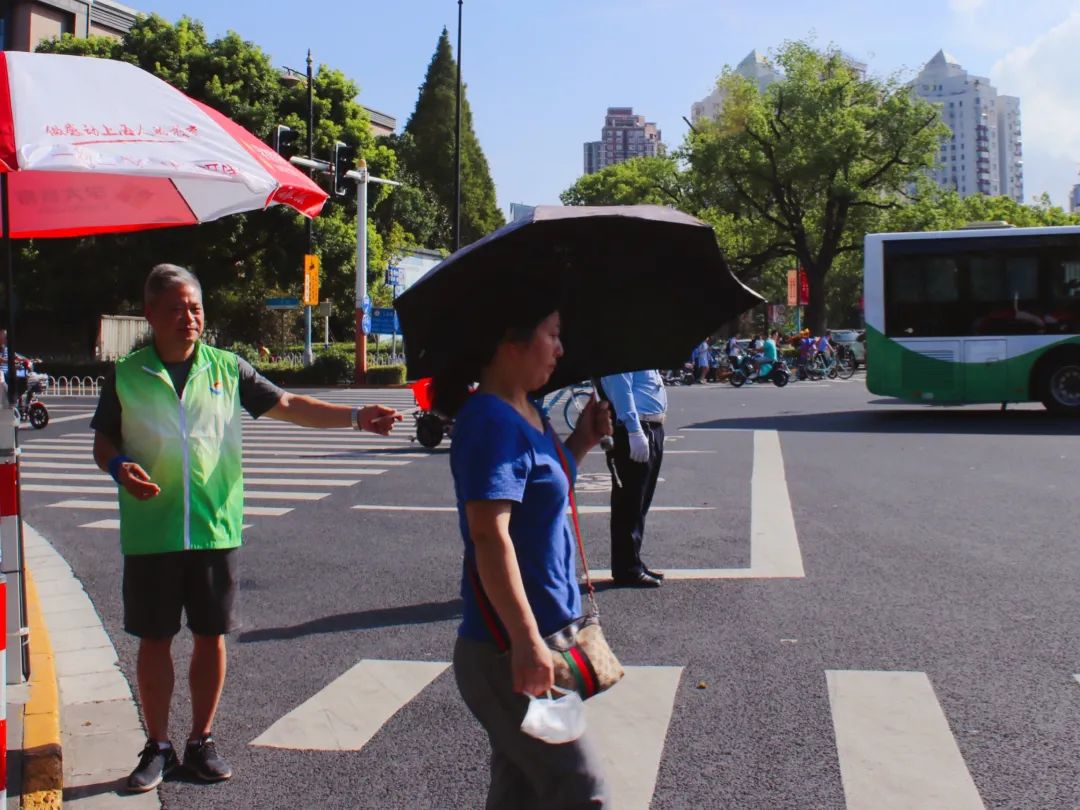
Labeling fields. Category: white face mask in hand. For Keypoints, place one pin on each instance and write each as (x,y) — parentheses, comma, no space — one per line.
(555,719)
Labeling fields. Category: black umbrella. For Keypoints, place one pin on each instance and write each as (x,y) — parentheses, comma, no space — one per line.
(639,285)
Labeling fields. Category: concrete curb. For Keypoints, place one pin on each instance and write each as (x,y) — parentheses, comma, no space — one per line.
(42,757)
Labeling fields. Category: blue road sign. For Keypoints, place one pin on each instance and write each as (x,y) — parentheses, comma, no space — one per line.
(384,321)
(393,275)
(282,303)
(365,324)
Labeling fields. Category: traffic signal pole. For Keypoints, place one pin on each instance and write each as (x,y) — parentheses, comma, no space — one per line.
(309,355)
(363,305)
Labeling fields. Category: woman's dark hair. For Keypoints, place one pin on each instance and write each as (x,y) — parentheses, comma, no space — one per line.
(515,314)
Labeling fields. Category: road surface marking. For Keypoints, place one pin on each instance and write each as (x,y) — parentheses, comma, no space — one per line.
(55,465)
(55,476)
(325,462)
(584,510)
(285,496)
(72,489)
(774,545)
(249,511)
(57,420)
(628,725)
(114,523)
(347,713)
(255,470)
(895,747)
(298,482)
(80,504)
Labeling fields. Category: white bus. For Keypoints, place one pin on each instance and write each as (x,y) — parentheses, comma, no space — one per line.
(975,315)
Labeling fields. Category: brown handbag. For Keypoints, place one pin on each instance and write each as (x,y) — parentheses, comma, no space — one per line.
(583,660)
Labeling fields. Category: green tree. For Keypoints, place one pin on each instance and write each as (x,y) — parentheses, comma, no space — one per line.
(239,259)
(799,172)
(640,181)
(428,153)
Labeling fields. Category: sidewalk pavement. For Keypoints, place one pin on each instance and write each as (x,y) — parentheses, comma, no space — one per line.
(99,728)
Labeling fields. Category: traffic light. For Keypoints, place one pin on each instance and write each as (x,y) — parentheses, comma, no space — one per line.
(284,140)
(344,161)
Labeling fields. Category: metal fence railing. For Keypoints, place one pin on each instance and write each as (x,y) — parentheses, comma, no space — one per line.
(74,386)
(386,359)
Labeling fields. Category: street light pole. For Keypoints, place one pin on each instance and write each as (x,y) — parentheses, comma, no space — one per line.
(457,140)
(363,306)
(309,355)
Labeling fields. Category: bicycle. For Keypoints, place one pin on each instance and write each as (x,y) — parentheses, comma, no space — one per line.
(577,397)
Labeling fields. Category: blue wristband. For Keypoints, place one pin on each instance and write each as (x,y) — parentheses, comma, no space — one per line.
(114,467)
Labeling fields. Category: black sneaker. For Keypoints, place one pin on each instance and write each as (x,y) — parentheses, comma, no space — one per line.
(204,762)
(154,765)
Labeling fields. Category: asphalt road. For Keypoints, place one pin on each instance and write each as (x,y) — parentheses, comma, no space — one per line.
(925,659)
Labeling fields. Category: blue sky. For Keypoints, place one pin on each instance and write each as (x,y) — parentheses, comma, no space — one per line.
(540,75)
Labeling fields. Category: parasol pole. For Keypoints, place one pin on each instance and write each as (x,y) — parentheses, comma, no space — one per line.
(16,647)
(5,225)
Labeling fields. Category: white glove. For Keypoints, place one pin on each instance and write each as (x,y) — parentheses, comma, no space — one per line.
(639,447)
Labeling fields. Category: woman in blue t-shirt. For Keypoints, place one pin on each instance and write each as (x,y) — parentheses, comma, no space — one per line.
(519,582)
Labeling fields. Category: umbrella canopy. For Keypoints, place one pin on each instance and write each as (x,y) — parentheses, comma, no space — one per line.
(639,287)
(98,146)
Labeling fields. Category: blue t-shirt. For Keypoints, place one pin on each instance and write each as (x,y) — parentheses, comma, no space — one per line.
(497,455)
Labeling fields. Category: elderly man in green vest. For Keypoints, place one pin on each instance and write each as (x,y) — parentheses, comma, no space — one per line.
(168,430)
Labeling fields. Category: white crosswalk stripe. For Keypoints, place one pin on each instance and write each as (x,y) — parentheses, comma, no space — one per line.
(893,741)
(285,466)
(628,724)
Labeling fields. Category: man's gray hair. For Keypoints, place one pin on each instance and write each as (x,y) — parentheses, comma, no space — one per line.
(166,276)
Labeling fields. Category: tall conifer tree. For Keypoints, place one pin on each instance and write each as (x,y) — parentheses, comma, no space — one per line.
(430,155)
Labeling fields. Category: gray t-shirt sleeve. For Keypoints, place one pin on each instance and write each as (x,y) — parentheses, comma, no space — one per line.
(257,394)
(107,416)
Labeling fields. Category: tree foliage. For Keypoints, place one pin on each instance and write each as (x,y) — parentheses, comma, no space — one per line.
(811,160)
(639,181)
(427,152)
(241,259)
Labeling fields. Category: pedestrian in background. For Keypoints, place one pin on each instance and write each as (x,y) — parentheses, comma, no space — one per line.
(168,430)
(519,583)
(701,361)
(639,401)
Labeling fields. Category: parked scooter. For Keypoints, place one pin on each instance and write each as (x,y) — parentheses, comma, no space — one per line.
(778,373)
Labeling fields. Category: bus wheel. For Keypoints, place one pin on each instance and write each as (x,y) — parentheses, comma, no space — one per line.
(1060,390)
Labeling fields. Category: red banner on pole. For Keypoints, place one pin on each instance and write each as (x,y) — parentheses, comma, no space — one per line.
(804,288)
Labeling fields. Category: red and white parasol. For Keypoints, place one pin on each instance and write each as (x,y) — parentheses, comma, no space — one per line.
(98,146)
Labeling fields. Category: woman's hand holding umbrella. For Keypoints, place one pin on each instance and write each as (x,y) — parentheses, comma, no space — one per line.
(593,425)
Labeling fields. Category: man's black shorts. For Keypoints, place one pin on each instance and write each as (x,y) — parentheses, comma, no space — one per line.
(158,586)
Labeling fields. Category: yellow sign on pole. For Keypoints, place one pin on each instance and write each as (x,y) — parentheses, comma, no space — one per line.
(311,280)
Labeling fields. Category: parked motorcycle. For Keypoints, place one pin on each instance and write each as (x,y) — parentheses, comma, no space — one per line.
(778,373)
(28,385)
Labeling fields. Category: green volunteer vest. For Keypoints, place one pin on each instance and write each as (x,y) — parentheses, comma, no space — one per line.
(191,448)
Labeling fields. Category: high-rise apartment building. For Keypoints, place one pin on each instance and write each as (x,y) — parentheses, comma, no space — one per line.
(1074,199)
(754,67)
(757,68)
(623,137)
(983,153)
